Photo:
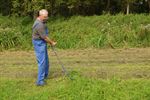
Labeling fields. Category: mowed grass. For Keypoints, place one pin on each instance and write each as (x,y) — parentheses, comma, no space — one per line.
(99,74)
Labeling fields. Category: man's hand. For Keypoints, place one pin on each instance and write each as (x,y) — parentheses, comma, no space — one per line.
(49,41)
(53,43)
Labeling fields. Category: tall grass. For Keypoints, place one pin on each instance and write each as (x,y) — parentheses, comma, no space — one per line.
(80,32)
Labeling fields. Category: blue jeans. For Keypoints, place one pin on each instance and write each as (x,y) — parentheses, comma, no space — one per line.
(40,48)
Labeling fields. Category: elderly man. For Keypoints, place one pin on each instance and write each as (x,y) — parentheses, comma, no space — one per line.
(40,40)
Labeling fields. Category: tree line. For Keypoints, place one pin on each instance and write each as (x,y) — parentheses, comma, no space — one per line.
(73,7)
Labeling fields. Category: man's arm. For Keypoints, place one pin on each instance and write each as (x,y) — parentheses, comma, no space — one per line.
(41,31)
(48,40)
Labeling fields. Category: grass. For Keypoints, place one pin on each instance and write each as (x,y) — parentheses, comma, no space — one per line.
(78,32)
(81,89)
(108,74)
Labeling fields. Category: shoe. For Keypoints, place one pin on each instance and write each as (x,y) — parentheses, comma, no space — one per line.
(40,83)
(46,77)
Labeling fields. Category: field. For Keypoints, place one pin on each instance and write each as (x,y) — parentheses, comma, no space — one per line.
(99,74)
(108,57)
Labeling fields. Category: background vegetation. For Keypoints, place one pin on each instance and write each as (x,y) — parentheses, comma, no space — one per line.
(77,23)
(73,7)
(104,31)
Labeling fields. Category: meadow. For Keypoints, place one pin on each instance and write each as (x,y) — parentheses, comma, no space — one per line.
(107,56)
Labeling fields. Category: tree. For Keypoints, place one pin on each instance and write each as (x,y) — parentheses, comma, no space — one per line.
(5,7)
(148,1)
(72,7)
(108,5)
(128,2)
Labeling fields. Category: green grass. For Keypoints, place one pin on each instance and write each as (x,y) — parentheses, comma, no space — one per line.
(121,74)
(81,89)
(104,31)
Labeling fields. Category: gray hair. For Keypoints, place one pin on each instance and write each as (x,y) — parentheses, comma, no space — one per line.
(43,12)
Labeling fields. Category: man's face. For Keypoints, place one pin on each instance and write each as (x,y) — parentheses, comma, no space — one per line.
(45,18)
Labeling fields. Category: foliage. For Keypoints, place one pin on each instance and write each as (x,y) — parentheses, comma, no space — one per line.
(72,7)
(80,32)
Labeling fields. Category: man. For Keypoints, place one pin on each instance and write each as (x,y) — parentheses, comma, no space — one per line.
(40,40)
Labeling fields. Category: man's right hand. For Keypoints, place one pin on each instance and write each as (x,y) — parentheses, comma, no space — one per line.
(49,41)
(53,43)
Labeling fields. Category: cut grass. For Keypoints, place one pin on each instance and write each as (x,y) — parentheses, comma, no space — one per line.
(121,74)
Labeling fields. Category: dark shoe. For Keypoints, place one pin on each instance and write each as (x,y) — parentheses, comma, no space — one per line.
(40,83)
(46,77)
